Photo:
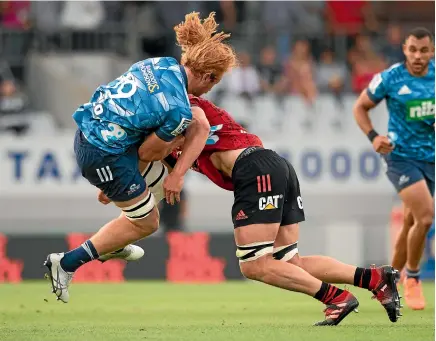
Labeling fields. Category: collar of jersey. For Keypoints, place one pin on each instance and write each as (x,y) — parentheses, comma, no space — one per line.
(185,77)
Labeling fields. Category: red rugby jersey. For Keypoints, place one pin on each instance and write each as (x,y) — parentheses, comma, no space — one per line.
(225,134)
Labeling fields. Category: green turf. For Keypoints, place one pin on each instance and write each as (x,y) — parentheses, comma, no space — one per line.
(240,311)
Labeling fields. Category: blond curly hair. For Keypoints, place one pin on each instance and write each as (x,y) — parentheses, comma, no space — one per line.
(203,50)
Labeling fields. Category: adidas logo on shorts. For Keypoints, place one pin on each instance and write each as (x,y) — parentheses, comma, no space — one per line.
(241,215)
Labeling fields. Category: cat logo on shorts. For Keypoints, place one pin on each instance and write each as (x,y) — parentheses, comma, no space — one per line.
(270,202)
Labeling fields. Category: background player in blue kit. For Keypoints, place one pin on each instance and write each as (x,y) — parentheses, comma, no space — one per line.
(150,101)
(409,148)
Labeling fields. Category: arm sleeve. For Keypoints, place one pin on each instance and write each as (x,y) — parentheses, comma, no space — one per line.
(377,88)
(176,122)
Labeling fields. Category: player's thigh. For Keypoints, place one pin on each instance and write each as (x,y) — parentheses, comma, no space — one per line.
(418,199)
(286,244)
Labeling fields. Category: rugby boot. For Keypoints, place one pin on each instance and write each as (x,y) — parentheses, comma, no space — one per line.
(386,291)
(60,279)
(129,253)
(338,309)
(413,294)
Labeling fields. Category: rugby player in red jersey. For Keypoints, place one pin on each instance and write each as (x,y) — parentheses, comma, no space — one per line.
(266,212)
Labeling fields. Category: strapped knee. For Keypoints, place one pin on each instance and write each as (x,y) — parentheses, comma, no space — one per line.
(154,176)
(285,253)
(250,252)
(141,209)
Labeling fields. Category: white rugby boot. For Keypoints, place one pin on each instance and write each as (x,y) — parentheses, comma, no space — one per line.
(60,279)
(129,253)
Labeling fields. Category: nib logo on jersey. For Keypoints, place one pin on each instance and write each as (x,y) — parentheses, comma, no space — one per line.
(270,202)
(420,110)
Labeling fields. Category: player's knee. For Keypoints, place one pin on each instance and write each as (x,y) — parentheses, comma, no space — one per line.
(426,218)
(287,253)
(144,214)
(149,224)
(254,258)
(257,269)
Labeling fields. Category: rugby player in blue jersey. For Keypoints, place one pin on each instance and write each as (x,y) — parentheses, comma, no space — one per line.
(138,118)
(408,149)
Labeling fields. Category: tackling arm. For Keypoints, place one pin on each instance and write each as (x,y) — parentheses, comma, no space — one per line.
(195,140)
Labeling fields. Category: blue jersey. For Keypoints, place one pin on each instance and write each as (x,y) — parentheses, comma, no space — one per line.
(150,97)
(410,102)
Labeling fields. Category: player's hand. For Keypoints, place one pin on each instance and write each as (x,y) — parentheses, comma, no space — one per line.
(382,145)
(172,186)
(103,198)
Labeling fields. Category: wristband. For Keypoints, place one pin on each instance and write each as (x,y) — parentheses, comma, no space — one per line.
(372,135)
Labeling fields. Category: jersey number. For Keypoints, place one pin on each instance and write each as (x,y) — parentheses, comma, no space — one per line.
(123,87)
(115,132)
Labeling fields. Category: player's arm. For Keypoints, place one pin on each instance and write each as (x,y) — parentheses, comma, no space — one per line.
(195,140)
(368,99)
(154,148)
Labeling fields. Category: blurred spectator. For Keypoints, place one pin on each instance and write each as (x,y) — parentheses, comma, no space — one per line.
(270,70)
(242,81)
(364,62)
(82,15)
(45,16)
(298,77)
(362,49)
(277,24)
(11,99)
(363,71)
(346,19)
(392,47)
(310,24)
(15,14)
(331,77)
(350,17)
(173,217)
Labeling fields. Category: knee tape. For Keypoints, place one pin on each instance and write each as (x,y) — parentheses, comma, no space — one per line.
(285,253)
(250,252)
(154,176)
(141,209)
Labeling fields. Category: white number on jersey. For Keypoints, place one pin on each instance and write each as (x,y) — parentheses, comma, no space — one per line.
(124,82)
(115,132)
(300,202)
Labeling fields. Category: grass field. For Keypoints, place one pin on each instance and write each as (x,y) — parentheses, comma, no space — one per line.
(240,311)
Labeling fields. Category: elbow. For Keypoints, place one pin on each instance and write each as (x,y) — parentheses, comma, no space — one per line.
(149,156)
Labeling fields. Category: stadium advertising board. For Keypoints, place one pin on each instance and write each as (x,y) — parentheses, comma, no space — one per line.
(48,167)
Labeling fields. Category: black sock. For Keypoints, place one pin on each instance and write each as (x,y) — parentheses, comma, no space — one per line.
(362,278)
(413,274)
(327,293)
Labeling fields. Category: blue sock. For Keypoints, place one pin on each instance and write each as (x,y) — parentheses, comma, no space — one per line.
(413,274)
(74,259)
